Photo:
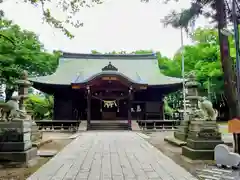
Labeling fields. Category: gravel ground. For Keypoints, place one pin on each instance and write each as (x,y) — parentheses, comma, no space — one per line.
(157,140)
(195,168)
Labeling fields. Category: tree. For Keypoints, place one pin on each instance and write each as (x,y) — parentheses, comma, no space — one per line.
(68,7)
(203,57)
(218,11)
(27,53)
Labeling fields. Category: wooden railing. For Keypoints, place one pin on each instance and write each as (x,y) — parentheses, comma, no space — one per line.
(72,125)
(58,125)
(160,125)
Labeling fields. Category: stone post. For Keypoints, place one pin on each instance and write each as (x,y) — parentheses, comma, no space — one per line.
(23,85)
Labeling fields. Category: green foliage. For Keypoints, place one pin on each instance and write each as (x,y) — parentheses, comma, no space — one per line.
(26,53)
(41,107)
(204,59)
(208,8)
(167,109)
(174,100)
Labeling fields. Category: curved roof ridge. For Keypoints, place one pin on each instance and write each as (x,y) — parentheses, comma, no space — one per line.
(79,79)
(107,56)
(145,70)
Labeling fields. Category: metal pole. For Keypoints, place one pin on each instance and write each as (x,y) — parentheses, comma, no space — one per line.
(209,89)
(183,76)
(236,37)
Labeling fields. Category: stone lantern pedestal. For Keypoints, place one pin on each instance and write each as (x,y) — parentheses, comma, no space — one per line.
(198,134)
(203,132)
(16,132)
(16,144)
(203,137)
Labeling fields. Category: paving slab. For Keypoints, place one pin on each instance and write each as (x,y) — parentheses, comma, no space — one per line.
(47,153)
(111,155)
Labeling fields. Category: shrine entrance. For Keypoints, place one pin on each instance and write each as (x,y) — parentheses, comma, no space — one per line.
(108,96)
(113,94)
(110,101)
(118,110)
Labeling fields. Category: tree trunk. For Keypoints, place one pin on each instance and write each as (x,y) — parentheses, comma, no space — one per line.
(9,92)
(228,69)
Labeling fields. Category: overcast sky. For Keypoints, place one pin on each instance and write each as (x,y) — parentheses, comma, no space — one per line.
(114,25)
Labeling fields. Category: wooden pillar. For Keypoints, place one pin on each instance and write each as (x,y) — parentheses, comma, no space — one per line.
(162,115)
(88,107)
(129,108)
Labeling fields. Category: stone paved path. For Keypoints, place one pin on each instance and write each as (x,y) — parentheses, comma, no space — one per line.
(111,156)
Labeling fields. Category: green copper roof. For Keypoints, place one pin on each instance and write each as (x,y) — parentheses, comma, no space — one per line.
(80,68)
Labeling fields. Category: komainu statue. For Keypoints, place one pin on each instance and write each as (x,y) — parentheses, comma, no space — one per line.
(210,114)
(10,110)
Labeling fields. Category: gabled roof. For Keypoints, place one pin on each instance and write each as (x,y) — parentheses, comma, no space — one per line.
(80,68)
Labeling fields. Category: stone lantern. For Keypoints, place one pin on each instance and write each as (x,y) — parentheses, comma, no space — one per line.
(203,134)
(192,91)
(16,144)
(181,134)
(23,86)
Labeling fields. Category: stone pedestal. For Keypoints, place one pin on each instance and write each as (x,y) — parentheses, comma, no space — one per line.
(180,135)
(36,135)
(15,141)
(182,131)
(203,136)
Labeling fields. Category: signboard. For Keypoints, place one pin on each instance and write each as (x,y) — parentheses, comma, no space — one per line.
(234,125)
(109,78)
(75,87)
(143,87)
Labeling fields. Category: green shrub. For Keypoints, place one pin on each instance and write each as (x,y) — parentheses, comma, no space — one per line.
(41,107)
(167,109)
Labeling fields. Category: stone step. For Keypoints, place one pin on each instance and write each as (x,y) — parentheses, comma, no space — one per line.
(209,177)
(108,126)
(216,177)
(215,174)
(222,170)
(211,171)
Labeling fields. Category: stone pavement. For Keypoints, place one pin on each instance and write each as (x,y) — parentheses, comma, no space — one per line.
(111,155)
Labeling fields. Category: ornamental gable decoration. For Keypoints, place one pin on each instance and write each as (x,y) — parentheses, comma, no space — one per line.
(109,67)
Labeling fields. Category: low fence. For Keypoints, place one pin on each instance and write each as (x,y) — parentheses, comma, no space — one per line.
(72,125)
(158,124)
(58,125)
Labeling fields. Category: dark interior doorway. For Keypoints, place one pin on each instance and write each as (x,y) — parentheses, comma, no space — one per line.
(101,112)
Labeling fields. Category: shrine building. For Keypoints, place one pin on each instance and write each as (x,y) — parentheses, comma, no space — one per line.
(107,87)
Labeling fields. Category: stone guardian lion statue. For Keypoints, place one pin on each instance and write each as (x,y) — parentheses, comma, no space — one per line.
(210,114)
(10,109)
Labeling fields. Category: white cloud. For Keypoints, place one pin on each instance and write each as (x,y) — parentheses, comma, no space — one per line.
(114,25)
